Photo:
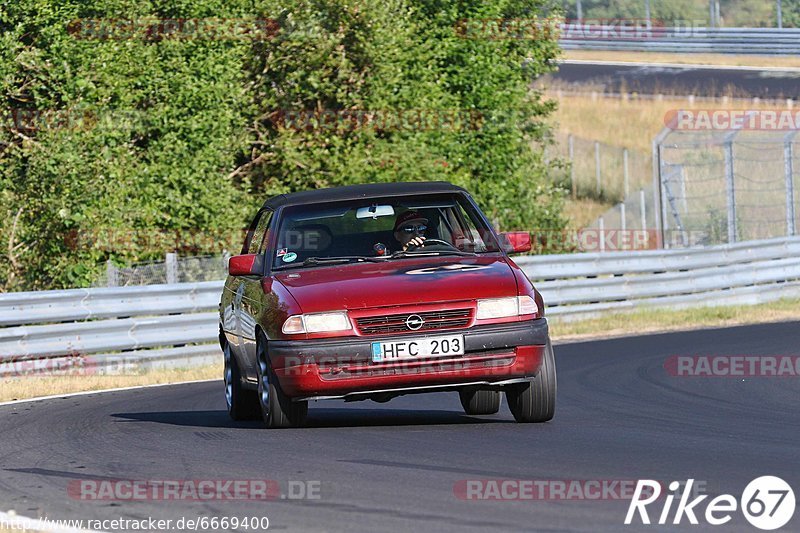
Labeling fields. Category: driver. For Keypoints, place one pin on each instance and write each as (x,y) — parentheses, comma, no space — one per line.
(409,229)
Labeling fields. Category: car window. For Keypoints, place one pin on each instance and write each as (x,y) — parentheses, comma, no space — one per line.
(257,240)
(334,229)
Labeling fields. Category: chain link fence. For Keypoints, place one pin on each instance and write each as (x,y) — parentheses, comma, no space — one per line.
(173,269)
(728,186)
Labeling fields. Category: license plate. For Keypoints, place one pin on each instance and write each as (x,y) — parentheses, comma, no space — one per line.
(418,347)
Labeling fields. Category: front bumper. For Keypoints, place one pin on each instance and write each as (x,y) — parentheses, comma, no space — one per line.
(343,367)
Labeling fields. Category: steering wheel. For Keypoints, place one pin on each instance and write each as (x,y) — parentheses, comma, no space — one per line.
(431,241)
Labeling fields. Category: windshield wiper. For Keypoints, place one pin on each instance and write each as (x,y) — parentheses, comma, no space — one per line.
(315,261)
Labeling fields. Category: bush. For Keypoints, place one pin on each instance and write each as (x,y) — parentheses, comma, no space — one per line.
(163,136)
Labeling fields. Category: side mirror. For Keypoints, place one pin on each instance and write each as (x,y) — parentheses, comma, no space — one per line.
(516,242)
(246,265)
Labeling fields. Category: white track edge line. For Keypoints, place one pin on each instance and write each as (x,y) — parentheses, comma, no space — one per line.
(691,66)
(101,391)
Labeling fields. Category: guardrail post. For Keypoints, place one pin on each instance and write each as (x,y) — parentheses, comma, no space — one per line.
(597,165)
(788,162)
(571,145)
(731,190)
(171,266)
(112,279)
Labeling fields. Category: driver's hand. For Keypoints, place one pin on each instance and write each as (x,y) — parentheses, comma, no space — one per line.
(416,241)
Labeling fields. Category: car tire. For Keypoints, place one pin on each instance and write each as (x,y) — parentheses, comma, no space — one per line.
(535,400)
(242,403)
(277,409)
(479,401)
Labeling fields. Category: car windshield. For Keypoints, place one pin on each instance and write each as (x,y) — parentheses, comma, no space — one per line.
(380,229)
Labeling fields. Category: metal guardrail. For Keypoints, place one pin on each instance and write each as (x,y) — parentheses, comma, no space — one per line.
(743,273)
(768,41)
(160,326)
(86,304)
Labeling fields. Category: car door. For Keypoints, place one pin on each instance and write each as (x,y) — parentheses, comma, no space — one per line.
(248,308)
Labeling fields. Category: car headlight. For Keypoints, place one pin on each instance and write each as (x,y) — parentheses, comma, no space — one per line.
(506,307)
(316,323)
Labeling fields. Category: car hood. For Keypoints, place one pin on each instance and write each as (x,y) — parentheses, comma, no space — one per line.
(399,282)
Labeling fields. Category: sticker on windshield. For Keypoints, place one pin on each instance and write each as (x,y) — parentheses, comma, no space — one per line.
(289,257)
(282,252)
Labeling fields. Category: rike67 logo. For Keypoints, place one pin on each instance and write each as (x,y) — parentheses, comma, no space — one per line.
(767,503)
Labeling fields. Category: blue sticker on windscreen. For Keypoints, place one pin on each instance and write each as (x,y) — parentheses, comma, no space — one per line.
(289,257)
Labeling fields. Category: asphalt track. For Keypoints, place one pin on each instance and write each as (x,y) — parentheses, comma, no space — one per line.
(682,80)
(393,467)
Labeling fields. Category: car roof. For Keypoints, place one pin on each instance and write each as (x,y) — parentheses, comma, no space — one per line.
(355,192)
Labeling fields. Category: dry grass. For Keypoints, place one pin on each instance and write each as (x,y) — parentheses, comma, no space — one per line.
(659,320)
(630,124)
(31,387)
(689,59)
(583,211)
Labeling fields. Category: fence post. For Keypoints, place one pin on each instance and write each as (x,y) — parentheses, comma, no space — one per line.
(643,216)
(112,279)
(788,161)
(622,224)
(597,165)
(711,13)
(601,224)
(625,171)
(657,191)
(571,145)
(731,190)
(663,201)
(171,266)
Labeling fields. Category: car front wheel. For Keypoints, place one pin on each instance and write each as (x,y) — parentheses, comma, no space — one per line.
(535,400)
(479,402)
(242,403)
(277,410)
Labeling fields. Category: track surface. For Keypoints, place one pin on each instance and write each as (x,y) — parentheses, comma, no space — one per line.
(679,80)
(392,467)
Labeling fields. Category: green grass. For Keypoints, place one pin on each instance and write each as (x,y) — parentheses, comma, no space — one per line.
(657,320)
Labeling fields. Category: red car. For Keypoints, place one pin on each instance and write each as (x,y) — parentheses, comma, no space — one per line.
(376,291)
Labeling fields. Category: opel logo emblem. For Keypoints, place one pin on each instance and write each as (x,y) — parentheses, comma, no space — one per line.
(414,322)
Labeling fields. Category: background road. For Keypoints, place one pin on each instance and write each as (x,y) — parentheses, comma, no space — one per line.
(685,80)
(390,467)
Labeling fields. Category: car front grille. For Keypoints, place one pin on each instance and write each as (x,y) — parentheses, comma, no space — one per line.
(398,323)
